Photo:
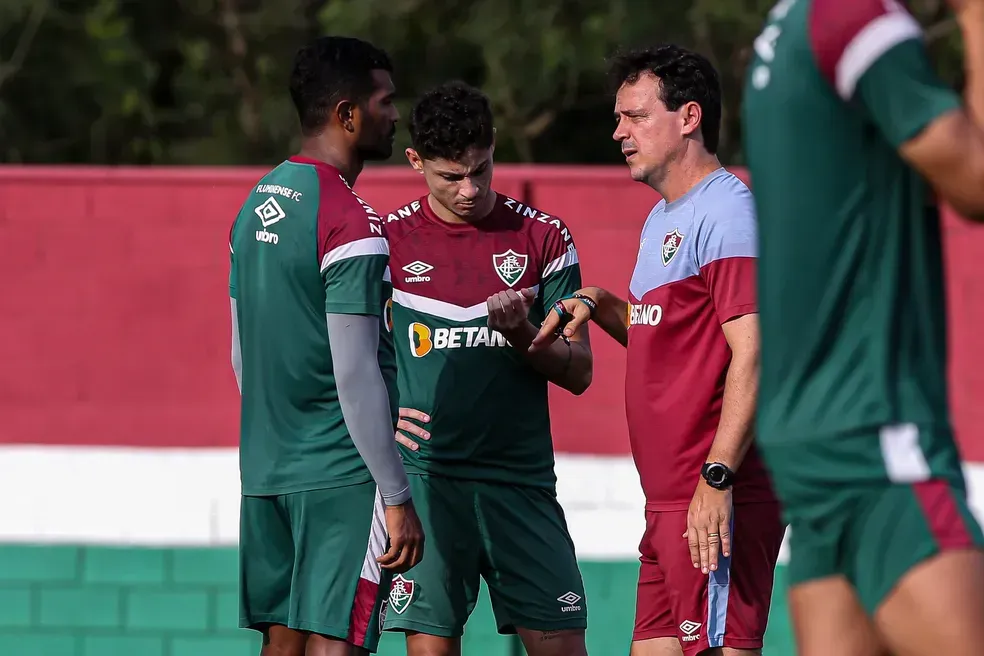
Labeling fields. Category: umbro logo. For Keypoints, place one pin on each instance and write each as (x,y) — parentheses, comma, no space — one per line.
(270,212)
(690,630)
(417,269)
(570,602)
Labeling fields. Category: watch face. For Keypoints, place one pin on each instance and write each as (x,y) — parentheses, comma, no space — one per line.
(716,473)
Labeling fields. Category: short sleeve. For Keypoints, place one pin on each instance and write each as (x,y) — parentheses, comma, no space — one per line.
(727,251)
(352,249)
(561,274)
(873,54)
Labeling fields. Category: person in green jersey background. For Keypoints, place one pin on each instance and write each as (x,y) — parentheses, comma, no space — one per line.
(473,274)
(847,131)
(323,487)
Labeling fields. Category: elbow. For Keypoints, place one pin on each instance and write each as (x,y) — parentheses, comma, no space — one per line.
(346,379)
(579,384)
(965,193)
(578,388)
(969,211)
(968,202)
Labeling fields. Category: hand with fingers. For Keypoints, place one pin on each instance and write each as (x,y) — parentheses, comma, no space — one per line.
(407,432)
(708,532)
(509,309)
(564,318)
(406,539)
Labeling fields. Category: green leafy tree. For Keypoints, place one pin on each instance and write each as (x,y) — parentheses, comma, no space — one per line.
(204,81)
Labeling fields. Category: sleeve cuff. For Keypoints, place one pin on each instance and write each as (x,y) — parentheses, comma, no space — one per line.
(734,311)
(352,308)
(397,498)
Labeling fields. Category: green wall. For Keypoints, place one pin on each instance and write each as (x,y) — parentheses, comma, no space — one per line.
(97,601)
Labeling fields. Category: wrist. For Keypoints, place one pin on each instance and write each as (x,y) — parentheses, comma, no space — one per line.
(596,294)
(725,460)
(521,336)
(718,475)
(398,499)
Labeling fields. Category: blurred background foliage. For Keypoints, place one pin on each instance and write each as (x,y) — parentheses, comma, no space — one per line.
(203,82)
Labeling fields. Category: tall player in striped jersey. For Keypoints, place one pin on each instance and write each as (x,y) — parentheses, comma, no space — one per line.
(473,271)
(322,484)
(846,129)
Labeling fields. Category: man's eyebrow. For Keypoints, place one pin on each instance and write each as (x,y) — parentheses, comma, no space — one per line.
(466,173)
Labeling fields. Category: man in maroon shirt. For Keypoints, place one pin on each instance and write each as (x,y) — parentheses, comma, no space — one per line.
(691,330)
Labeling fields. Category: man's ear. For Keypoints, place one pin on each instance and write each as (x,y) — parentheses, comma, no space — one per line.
(345,114)
(692,115)
(415,160)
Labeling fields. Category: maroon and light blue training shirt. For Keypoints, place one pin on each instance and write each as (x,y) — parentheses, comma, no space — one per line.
(695,271)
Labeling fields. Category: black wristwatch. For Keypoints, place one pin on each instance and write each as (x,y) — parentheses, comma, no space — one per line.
(717,475)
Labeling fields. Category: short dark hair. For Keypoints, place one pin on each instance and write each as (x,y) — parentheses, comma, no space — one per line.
(684,76)
(332,69)
(449,119)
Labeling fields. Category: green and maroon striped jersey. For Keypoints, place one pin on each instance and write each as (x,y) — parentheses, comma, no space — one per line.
(488,407)
(303,245)
(850,277)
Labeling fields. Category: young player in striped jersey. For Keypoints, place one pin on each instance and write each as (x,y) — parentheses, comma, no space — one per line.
(473,271)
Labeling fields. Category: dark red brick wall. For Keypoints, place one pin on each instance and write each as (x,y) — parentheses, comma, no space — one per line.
(114,317)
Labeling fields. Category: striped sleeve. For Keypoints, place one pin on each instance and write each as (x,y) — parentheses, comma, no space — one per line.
(872,53)
(352,249)
(727,250)
(561,273)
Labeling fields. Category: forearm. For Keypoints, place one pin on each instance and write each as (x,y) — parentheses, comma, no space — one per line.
(611,314)
(567,365)
(972,25)
(735,431)
(365,402)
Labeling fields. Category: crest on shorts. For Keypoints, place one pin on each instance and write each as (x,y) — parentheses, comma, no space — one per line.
(510,266)
(401,594)
(382,613)
(671,244)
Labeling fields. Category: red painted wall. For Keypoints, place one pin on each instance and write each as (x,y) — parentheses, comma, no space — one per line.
(114,313)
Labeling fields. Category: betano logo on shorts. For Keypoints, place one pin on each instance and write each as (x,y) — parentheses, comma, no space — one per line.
(423,339)
(648,314)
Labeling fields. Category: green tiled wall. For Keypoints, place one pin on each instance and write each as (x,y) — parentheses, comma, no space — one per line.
(99,601)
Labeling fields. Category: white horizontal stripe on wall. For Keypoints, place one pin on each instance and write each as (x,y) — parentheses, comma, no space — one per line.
(179,497)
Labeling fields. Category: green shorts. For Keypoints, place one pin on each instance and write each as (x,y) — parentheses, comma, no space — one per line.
(871,505)
(304,562)
(515,537)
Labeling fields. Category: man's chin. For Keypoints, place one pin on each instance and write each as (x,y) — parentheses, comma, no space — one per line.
(377,154)
(638,174)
